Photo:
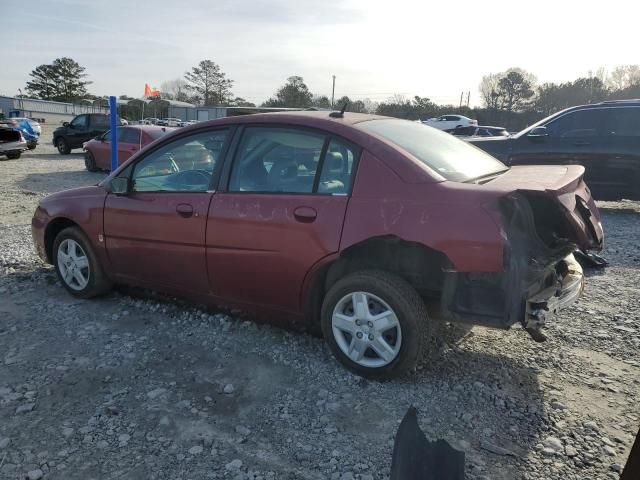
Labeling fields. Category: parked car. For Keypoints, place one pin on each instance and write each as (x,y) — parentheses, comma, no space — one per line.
(602,137)
(169,122)
(186,123)
(150,121)
(486,131)
(97,151)
(31,129)
(12,143)
(450,122)
(81,129)
(345,225)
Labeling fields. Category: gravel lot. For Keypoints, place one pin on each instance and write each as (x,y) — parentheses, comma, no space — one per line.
(138,387)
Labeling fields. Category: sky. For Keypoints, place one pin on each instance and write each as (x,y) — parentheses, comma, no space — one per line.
(376,49)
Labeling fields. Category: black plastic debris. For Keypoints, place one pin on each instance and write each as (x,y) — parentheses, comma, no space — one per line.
(589,259)
(416,458)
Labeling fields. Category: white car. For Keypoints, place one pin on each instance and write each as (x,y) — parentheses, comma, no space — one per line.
(450,122)
(12,143)
(169,122)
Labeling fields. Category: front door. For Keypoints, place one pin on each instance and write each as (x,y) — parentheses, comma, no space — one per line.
(128,143)
(79,131)
(155,235)
(282,212)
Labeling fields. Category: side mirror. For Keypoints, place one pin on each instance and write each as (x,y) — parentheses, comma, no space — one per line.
(538,132)
(65,124)
(99,137)
(120,185)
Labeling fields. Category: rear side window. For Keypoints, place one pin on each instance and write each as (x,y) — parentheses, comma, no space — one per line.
(582,123)
(622,122)
(100,121)
(337,168)
(274,159)
(129,135)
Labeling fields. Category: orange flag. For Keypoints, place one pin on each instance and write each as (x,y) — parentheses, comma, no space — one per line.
(149,91)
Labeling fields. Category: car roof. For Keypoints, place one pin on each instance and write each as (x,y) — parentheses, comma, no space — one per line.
(306,117)
(147,128)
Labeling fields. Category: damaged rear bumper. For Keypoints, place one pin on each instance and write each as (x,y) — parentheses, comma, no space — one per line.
(549,301)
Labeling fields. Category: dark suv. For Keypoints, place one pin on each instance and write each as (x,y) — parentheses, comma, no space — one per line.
(79,130)
(603,137)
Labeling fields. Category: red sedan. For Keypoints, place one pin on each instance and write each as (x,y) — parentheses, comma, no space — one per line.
(348,224)
(97,152)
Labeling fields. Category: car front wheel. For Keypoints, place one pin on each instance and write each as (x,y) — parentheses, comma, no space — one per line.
(90,162)
(77,266)
(63,146)
(374,322)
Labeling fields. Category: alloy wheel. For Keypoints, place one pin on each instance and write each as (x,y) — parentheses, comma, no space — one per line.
(366,329)
(73,264)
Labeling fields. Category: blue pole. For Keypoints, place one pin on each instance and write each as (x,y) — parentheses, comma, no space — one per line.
(113,117)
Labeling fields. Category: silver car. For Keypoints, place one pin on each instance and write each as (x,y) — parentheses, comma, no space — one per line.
(12,143)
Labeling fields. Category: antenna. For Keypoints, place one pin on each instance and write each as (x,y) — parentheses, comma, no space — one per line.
(339,114)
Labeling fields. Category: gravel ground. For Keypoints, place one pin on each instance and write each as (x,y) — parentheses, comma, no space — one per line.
(138,387)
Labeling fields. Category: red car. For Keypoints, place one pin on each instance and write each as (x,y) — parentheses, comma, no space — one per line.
(97,152)
(345,224)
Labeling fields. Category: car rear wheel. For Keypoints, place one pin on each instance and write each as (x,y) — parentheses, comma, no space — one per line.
(374,322)
(90,161)
(77,266)
(14,155)
(63,146)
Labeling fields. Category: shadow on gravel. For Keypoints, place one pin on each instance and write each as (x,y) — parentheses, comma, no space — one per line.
(46,183)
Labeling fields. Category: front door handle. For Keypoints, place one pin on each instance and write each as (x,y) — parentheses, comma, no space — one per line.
(184,210)
(305,214)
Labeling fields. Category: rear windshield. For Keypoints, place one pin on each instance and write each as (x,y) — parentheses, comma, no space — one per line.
(452,158)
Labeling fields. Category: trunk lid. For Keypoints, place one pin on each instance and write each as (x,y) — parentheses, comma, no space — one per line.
(562,186)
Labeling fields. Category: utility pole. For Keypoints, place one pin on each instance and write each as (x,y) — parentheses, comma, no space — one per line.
(468,97)
(333,90)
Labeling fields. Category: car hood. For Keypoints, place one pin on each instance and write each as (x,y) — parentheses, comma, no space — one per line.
(73,194)
(559,186)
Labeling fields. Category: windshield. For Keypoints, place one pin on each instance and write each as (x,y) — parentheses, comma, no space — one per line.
(453,159)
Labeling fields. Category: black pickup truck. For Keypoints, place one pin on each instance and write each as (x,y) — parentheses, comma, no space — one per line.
(79,130)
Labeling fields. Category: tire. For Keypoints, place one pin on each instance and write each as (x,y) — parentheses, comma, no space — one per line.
(382,291)
(72,245)
(63,146)
(90,162)
(13,155)
(32,145)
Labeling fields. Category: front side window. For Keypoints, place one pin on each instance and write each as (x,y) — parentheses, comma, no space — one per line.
(450,157)
(100,121)
(187,164)
(275,159)
(582,123)
(79,122)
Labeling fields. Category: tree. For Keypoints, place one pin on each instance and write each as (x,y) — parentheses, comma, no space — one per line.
(489,90)
(293,94)
(176,89)
(209,83)
(321,101)
(241,102)
(624,76)
(515,90)
(63,81)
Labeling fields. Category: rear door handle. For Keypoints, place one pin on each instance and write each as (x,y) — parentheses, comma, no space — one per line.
(305,214)
(184,209)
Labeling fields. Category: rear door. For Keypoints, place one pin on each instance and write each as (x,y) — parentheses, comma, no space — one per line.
(622,153)
(280,212)
(155,235)
(98,125)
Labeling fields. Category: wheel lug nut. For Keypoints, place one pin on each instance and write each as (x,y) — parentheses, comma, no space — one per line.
(358,322)
(359,334)
(370,324)
(370,337)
